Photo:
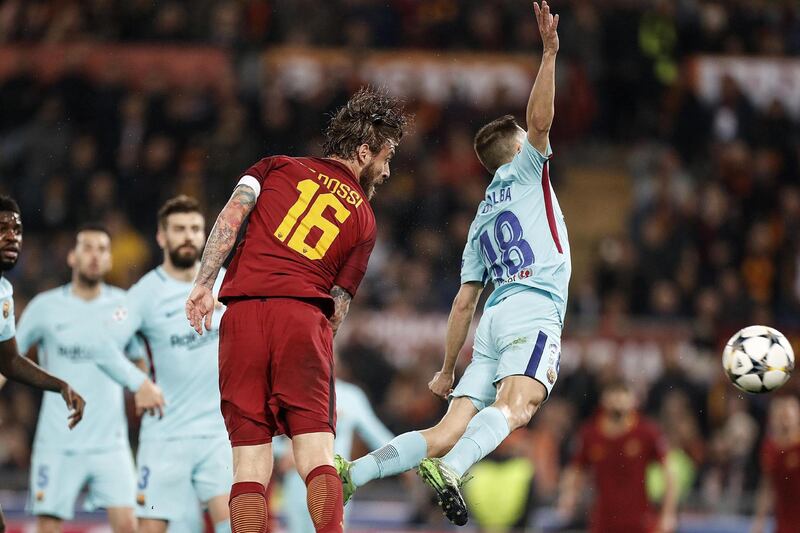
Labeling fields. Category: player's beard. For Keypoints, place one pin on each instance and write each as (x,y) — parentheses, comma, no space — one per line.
(370,175)
(7,264)
(89,281)
(182,259)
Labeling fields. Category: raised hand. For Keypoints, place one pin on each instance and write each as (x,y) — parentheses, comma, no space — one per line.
(548,24)
(200,308)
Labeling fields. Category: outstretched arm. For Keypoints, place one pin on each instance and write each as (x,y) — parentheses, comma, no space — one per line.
(458,325)
(200,305)
(541,104)
(14,366)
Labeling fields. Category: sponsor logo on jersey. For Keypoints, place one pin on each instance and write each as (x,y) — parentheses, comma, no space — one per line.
(525,273)
(6,309)
(75,352)
(192,341)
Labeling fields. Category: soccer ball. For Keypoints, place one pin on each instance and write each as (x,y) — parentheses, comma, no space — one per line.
(758,359)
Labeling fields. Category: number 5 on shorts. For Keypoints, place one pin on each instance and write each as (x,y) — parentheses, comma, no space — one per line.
(313,219)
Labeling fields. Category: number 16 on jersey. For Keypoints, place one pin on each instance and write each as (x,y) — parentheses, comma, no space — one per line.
(313,219)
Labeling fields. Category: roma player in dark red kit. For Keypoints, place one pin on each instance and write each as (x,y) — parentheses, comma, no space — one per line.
(616,447)
(310,233)
(780,468)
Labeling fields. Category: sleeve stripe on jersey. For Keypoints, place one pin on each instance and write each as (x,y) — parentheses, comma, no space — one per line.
(251,182)
(548,206)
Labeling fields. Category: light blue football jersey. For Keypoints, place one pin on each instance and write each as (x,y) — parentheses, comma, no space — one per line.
(183,363)
(7,324)
(518,238)
(65,329)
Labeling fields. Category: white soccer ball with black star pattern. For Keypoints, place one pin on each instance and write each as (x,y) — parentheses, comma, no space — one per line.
(758,359)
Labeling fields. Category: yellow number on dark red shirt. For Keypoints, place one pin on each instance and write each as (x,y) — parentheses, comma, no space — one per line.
(312,219)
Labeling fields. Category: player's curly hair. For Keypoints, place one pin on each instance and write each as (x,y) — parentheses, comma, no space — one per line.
(371,117)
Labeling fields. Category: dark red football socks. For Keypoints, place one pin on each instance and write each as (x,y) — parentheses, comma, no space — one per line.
(325,503)
(248,505)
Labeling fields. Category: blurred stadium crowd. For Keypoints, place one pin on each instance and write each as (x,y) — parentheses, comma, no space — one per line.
(713,232)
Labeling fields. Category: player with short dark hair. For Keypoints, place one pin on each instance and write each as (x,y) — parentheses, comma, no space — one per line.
(310,234)
(518,241)
(780,468)
(183,458)
(12,365)
(616,447)
(63,325)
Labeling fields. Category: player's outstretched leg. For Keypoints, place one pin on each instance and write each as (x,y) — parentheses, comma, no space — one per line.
(518,398)
(405,451)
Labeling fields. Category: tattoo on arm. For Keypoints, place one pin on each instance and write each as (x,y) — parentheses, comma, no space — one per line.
(223,234)
(341,301)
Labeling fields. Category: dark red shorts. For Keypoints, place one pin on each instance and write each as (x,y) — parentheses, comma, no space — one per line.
(276,371)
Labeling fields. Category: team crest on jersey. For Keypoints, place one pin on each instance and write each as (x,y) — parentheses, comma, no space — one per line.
(551,375)
(633,448)
(6,309)
(120,314)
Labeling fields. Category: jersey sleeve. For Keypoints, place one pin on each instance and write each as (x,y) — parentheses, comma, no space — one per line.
(529,163)
(254,176)
(30,329)
(472,268)
(370,428)
(112,361)
(354,268)
(8,327)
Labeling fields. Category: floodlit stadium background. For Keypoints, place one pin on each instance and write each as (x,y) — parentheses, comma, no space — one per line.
(676,164)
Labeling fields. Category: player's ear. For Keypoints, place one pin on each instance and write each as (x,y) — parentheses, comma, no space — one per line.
(71,258)
(364,154)
(161,239)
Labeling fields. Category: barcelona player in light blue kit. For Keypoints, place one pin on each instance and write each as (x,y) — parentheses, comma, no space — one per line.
(354,416)
(12,365)
(184,458)
(519,242)
(63,325)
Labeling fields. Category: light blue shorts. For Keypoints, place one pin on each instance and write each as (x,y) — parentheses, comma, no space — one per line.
(57,478)
(177,476)
(519,336)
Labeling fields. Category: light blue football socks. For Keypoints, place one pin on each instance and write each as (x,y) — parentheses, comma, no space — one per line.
(403,453)
(484,433)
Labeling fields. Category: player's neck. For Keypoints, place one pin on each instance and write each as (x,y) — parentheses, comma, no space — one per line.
(354,168)
(86,291)
(181,274)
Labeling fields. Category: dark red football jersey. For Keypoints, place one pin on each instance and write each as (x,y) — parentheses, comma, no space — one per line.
(312,228)
(619,465)
(781,466)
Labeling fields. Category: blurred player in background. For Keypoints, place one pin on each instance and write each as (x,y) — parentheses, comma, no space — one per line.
(63,325)
(616,447)
(184,458)
(519,241)
(12,365)
(354,416)
(780,467)
(310,234)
